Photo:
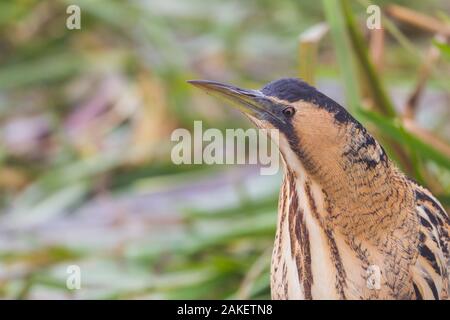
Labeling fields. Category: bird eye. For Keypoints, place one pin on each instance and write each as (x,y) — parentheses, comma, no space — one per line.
(289,111)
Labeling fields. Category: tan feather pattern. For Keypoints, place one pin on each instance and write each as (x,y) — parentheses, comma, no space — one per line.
(340,220)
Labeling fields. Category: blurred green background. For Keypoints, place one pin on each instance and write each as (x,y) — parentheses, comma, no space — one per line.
(86,117)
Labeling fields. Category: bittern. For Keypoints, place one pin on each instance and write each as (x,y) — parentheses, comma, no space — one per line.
(345,210)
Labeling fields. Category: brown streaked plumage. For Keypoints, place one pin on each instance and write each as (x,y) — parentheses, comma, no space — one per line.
(346,213)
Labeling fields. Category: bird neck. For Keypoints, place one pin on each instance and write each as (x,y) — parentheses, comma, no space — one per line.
(322,220)
(354,193)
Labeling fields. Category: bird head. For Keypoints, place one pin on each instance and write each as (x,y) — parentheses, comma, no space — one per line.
(315,132)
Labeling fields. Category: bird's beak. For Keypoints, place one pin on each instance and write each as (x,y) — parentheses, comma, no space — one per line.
(250,102)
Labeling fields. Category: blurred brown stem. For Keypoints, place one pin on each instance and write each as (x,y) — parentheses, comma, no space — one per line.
(255,271)
(419,20)
(376,48)
(427,137)
(378,95)
(308,47)
(425,70)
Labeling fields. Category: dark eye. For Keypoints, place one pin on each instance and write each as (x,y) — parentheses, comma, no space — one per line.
(289,111)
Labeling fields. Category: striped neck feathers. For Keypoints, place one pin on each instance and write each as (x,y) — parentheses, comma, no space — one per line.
(351,175)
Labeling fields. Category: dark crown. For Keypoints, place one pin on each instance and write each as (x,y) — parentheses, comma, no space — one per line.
(294,89)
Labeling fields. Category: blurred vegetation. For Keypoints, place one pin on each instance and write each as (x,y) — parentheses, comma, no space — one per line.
(86,117)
